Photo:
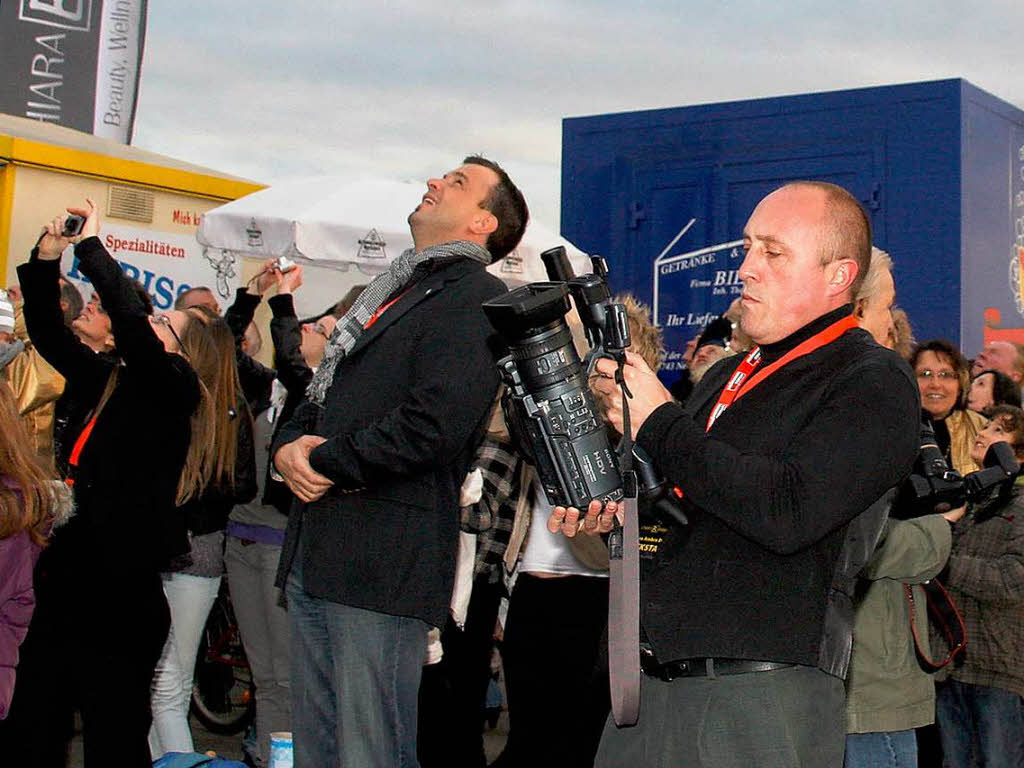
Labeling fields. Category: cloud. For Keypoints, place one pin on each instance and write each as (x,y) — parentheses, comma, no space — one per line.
(406,87)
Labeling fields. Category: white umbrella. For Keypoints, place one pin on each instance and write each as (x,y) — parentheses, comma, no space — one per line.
(339,222)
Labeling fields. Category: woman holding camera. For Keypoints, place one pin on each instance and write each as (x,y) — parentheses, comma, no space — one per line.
(221,467)
(980,707)
(101,618)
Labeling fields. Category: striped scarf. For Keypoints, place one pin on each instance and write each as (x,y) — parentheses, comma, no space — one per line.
(387,284)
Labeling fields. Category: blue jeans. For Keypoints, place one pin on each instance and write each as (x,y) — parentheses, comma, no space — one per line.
(355,680)
(884,749)
(992,719)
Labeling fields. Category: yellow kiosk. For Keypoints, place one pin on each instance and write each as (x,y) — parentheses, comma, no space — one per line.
(151,205)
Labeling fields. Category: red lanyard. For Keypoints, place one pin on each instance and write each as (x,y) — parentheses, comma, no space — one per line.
(742,382)
(380,310)
(76,450)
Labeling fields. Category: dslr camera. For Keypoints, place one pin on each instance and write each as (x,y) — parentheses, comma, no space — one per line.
(935,487)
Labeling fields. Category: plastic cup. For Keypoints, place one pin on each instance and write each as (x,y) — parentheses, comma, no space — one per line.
(281,749)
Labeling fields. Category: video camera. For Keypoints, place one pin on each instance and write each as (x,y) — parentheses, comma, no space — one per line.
(935,487)
(548,405)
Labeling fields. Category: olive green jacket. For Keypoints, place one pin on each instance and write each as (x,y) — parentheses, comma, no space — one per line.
(886,689)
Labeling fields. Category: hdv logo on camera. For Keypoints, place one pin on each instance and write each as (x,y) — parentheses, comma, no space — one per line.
(65,14)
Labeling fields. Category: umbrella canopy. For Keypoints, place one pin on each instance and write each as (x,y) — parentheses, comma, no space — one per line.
(334,221)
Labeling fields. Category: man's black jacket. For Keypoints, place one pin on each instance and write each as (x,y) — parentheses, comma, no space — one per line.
(777,481)
(401,417)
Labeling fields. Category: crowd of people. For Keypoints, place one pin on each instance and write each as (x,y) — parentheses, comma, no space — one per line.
(383,532)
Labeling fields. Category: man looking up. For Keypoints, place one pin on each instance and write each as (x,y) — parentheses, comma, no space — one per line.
(200,296)
(747,615)
(1003,356)
(376,455)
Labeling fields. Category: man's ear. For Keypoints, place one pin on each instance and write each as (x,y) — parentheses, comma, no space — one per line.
(484,222)
(841,275)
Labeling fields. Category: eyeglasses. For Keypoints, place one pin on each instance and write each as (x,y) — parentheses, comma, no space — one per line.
(926,374)
(317,328)
(165,320)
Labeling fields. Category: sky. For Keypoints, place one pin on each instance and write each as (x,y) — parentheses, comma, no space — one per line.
(271,90)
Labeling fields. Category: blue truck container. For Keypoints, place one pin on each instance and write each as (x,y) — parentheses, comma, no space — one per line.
(939,166)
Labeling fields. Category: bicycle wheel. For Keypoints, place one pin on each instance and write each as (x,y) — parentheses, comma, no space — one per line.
(222,688)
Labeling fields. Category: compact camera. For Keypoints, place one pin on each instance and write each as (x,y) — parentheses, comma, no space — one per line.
(73,225)
(284,264)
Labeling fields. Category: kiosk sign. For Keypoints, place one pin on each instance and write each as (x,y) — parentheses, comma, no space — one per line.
(692,289)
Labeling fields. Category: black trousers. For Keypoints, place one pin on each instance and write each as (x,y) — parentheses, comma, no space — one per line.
(95,638)
(453,691)
(556,670)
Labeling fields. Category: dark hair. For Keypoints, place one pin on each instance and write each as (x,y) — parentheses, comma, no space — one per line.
(718,331)
(143,294)
(180,302)
(508,205)
(1011,419)
(956,359)
(1005,390)
(338,309)
(72,300)
(343,306)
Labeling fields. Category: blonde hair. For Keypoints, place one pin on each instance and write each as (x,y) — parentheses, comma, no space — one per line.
(871,286)
(209,346)
(645,337)
(28,504)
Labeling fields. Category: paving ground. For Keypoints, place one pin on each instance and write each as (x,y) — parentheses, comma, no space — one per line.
(231,746)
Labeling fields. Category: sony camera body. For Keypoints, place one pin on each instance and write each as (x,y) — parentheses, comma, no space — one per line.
(548,404)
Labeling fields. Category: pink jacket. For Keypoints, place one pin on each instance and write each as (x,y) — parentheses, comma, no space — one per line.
(18,555)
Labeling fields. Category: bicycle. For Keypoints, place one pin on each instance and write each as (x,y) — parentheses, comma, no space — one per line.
(223,697)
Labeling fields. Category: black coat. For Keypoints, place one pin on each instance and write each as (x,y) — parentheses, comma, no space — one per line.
(401,417)
(294,375)
(128,472)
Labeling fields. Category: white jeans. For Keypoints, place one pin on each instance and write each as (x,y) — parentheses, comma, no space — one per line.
(190,599)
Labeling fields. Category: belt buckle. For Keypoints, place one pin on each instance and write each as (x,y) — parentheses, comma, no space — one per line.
(675,669)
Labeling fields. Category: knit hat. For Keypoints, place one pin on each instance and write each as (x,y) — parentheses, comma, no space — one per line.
(6,313)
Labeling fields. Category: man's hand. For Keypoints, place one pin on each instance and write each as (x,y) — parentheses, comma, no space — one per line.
(954,515)
(269,275)
(292,461)
(648,392)
(290,280)
(14,293)
(597,520)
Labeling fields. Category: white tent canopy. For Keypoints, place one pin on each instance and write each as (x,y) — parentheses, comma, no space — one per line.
(340,222)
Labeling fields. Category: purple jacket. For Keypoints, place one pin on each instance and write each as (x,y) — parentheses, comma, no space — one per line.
(18,555)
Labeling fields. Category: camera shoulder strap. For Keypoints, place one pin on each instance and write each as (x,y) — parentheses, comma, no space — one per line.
(624,585)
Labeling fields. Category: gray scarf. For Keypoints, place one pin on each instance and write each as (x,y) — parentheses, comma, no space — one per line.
(351,326)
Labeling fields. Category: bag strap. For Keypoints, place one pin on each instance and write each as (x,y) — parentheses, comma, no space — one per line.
(944,613)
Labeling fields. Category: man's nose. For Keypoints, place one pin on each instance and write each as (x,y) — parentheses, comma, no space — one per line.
(435,184)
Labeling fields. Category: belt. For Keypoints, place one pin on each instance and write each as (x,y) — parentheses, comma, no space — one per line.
(704,667)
